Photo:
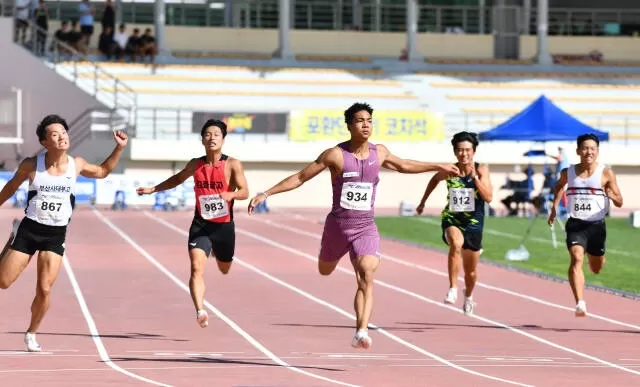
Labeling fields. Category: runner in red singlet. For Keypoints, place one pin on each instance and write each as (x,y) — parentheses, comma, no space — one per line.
(219,180)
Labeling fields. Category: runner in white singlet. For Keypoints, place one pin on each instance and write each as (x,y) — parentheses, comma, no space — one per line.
(590,186)
(52,175)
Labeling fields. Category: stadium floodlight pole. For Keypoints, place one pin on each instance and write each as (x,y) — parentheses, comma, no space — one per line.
(542,56)
(284,46)
(412,32)
(160,21)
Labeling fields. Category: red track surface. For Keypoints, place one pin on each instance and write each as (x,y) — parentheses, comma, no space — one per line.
(132,269)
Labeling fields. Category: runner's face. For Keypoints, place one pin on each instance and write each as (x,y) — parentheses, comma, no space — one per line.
(588,152)
(361,125)
(57,138)
(212,138)
(464,152)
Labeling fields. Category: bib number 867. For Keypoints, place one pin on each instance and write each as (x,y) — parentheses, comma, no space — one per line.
(356,196)
(51,206)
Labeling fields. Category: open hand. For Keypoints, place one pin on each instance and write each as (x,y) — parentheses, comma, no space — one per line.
(449,169)
(259,198)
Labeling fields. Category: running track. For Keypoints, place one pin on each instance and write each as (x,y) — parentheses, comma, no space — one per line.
(121,314)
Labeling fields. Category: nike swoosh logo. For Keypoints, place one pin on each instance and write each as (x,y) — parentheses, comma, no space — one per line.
(192,244)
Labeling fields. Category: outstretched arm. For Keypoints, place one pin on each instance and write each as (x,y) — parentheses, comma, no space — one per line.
(394,163)
(24,169)
(326,159)
(611,188)
(173,181)
(312,170)
(103,170)
(558,191)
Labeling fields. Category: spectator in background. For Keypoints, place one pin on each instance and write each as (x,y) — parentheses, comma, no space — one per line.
(109,17)
(148,45)
(86,12)
(106,45)
(60,36)
(22,11)
(121,39)
(562,159)
(133,45)
(41,18)
(74,38)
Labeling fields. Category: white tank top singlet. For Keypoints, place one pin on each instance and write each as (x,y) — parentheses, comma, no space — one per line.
(51,198)
(586,196)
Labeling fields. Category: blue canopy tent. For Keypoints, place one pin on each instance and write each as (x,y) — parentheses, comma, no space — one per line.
(542,121)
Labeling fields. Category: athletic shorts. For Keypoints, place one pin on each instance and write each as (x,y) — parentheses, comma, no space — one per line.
(472,238)
(33,236)
(590,235)
(358,237)
(216,238)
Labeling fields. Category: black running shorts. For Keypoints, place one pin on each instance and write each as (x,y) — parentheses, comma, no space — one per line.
(33,236)
(592,236)
(216,238)
(472,238)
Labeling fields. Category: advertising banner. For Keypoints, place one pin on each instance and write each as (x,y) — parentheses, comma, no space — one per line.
(244,123)
(388,126)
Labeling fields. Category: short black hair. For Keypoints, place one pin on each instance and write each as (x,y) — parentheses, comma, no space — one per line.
(465,136)
(353,109)
(588,136)
(212,122)
(41,130)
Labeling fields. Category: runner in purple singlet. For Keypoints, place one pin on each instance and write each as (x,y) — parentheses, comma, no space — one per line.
(350,226)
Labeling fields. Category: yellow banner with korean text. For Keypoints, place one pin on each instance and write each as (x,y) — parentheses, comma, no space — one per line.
(388,125)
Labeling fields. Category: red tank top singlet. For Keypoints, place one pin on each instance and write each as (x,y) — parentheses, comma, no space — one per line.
(210,181)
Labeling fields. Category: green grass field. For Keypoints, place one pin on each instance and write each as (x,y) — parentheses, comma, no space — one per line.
(621,271)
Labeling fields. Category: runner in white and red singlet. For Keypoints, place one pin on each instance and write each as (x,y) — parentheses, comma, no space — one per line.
(590,186)
(350,226)
(219,180)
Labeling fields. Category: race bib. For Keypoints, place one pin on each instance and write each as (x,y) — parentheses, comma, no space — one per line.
(462,200)
(213,206)
(583,206)
(356,196)
(50,206)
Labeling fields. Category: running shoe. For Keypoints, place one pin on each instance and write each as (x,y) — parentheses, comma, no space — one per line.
(30,341)
(581,309)
(362,340)
(203,318)
(452,296)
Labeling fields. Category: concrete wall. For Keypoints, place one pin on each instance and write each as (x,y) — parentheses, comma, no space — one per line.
(43,92)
